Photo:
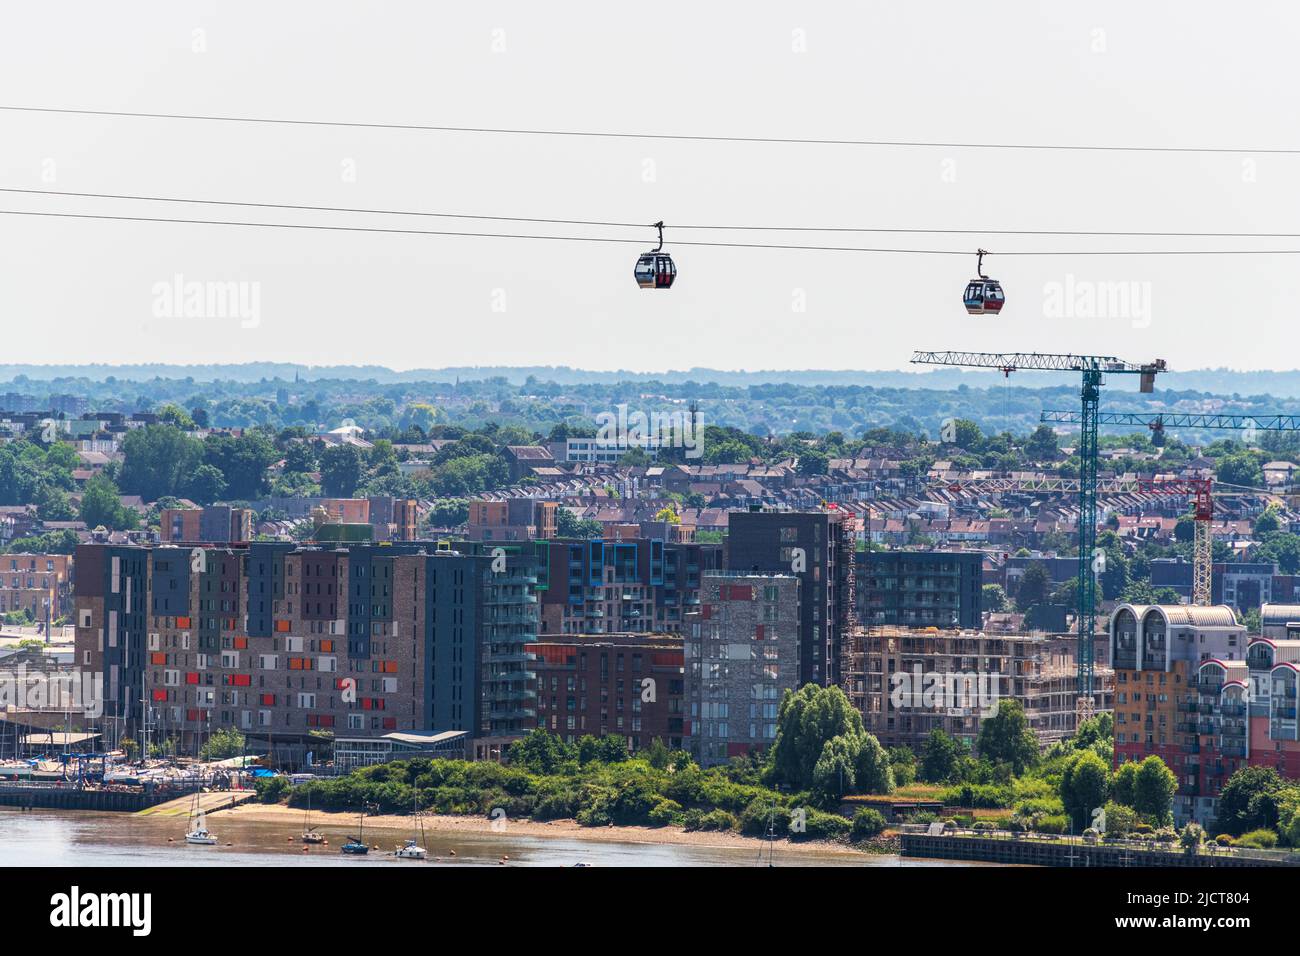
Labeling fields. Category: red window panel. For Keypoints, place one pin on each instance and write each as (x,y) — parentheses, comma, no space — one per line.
(390,723)
(159,695)
(158,657)
(192,677)
(240,643)
(268,700)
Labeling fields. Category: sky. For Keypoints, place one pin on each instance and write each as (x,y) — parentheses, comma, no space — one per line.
(1097,73)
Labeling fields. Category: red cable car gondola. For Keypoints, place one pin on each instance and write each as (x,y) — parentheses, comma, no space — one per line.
(983,295)
(655,269)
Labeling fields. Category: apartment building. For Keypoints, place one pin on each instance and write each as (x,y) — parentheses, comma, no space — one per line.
(282,642)
(40,584)
(628,685)
(610,586)
(742,653)
(1181,680)
(515,519)
(215,524)
(908,682)
(818,548)
(920,588)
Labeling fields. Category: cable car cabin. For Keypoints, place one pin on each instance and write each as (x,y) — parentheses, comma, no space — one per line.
(655,270)
(983,296)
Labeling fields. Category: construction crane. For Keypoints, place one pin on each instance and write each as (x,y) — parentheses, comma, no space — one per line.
(1092,368)
(1199,489)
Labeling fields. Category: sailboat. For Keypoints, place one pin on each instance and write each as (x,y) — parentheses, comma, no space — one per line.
(309,833)
(198,832)
(411,849)
(356,845)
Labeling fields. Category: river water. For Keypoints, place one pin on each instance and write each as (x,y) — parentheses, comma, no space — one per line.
(88,838)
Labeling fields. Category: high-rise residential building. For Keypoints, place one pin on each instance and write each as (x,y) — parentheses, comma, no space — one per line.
(640,584)
(627,685)
(742,653)
(1181,676)
(920,588)
(817,547)
(283,642)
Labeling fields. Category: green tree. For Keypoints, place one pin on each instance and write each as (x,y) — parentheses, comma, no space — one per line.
(872,769)
(569,525)
(994,598)
(205,485)
(965,434)
(1246,800)
(341,469)
(1084,787)
(1034,585)
(807,720)
(1153,790)
(1123,786)
(1006,737)
(833,773)
(101,505)
(157,461)
(223,744)
(540,752)
(1041,445)
(941,754)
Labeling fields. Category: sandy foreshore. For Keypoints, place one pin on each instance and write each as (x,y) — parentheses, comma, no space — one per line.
(566,829)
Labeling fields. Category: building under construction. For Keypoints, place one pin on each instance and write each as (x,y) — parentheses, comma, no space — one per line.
(906,682)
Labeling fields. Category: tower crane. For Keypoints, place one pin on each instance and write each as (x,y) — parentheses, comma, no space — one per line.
(1199,489)
(1092,368)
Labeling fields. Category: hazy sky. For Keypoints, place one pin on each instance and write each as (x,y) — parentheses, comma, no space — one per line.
(1176,74)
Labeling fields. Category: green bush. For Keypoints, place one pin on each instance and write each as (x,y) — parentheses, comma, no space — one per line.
(822,826)
(1258,840)
(1224,839)
(665,813)
(713,820)
(760,815)
(1056,823)
(984,825)
(271,789)
(868,822)
(980,796)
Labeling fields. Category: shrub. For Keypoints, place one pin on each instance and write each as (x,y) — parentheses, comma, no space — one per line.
(984,825)
(759,815)
(868,822)
(1224,839)
(822,826)
(714,820)
(271,789)
(1056,823)
(665,812)
(1258,839)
